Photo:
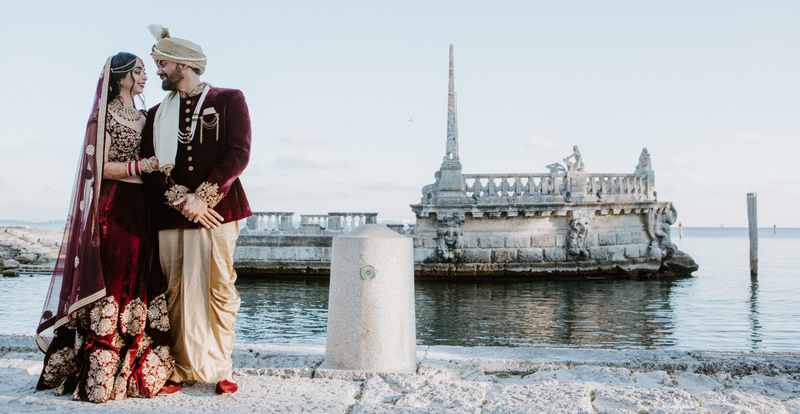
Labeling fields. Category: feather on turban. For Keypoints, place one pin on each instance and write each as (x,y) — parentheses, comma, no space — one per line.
(176,50)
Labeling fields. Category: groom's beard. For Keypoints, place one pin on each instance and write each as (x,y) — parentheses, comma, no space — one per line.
(170,83)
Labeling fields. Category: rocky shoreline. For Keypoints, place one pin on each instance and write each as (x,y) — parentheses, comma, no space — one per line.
(286,378)
(28,250)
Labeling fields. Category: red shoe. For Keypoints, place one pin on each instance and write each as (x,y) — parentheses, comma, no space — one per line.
(226,387)
(170,387)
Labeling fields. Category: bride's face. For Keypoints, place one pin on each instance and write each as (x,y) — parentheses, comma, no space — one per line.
(136,78)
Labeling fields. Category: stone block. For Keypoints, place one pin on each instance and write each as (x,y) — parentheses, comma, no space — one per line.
(470,242)
(26,258)
(491,242)
(555,254)
(592,239)
(428,242)
(632,252)
(518,242)
(477,256)
(504,255)
(561,240)
(326,254)
(10,264)
(616,253)
(424,255)
(606,239)
(599,253)
(624,237)
(417,242)
(307,253)
(637,237)
(644,250)
(530,255)
(543,240)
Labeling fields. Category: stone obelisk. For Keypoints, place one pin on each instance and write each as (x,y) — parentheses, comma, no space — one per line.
(451,186)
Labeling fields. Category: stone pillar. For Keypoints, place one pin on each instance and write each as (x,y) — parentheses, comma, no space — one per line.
(252,223)
(753,228)
(371,325)
(335,222)
(286,225)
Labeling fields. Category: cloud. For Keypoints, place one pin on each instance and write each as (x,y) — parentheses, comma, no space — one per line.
(311,161)
(300,141)
(545,144)
(700,180)
(676,162)
(745,137)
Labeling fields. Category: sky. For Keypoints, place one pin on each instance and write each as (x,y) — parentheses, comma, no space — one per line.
(348,99)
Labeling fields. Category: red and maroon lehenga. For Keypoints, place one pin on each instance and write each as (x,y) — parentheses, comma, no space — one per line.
(106,302)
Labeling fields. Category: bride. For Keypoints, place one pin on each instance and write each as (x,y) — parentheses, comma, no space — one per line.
(106,302)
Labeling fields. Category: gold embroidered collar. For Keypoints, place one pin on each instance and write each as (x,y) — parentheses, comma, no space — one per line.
(194,92)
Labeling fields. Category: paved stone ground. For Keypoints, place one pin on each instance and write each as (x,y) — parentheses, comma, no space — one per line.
(283,379)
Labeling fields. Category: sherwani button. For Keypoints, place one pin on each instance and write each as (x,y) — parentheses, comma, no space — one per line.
(188,128)
(188,119)
(188,102)
(189,148)
(191,168)
(188,110)
(190,158)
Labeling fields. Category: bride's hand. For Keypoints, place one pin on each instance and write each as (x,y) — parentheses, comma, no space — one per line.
(153,162)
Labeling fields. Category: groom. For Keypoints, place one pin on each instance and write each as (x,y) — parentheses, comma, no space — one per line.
(201,136)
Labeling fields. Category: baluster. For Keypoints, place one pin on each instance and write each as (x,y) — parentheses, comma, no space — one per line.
(491,187)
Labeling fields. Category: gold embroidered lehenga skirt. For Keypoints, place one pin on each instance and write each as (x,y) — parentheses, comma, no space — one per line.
(119,345)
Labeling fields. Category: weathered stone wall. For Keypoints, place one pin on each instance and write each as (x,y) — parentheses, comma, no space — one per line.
(283,254)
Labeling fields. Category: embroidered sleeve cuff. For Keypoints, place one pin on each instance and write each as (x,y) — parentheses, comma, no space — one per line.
(174,193)
(209,193)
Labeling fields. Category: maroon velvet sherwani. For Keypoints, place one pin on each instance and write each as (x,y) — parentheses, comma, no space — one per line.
(198,262)
(210,168)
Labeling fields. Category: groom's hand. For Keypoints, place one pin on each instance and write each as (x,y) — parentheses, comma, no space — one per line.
(196,210)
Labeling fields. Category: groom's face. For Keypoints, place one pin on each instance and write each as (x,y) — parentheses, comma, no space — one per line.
(171,74)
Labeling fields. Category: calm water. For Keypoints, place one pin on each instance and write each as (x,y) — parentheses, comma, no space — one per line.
(721,308)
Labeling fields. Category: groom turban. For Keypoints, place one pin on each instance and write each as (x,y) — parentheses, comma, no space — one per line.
(176,50)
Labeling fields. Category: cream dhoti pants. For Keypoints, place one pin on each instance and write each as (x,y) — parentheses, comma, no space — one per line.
(202,300)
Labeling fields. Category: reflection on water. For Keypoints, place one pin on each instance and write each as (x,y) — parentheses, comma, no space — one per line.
(614,314)
(618,314)
(282,311)
(722,308)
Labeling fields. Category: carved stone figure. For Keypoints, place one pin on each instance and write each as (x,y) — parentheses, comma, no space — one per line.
(577,240)
(578,164)
(450,241)
(662,246)
(555,168)
(429,191)
(644,163)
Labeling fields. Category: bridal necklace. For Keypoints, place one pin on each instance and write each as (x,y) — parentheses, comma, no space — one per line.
(127,113)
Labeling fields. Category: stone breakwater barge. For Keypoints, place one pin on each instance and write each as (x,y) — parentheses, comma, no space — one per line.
(559,224)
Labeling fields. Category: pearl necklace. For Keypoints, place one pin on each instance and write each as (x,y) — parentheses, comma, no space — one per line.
(127,113)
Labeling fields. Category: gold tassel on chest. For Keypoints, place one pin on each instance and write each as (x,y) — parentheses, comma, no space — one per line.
(210,124)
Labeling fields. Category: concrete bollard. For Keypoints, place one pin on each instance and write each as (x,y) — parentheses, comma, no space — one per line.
(371,325)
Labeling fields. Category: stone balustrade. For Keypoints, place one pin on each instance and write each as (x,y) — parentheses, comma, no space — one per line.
(271,222)
(494,188)
(313,223)
(346,222)
(281,223)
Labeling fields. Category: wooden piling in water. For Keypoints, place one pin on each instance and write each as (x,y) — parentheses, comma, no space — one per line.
(753,223)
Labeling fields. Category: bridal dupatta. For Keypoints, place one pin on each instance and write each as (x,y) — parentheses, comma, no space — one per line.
(78,275)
